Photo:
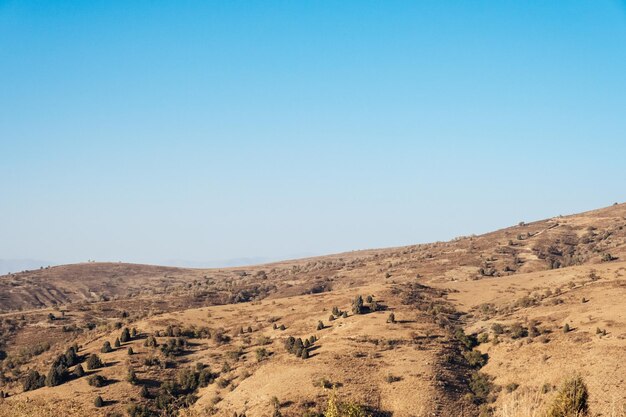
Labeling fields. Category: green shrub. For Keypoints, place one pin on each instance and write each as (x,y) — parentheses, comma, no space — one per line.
(475,359)
(481,386)
(261,354)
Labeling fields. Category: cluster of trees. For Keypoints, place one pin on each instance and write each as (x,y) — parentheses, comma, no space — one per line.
(299,347)
(358,306)
(336,313)
(174,347)
(58,373)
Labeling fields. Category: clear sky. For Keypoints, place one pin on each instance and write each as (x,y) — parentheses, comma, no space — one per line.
(152,131)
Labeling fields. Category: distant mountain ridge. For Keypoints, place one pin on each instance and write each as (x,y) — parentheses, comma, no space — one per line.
(17,265)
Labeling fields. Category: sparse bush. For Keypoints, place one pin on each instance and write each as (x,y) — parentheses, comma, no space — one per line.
(261,354)
(571,399)
(130,351)
(497,328)
(391,318)
(96,381)
(98,402)
(518,331)
(222,382)
(117,343)
(305,353)
(131,377)
(320,325)
(566,328)
(511,387)
(392,378)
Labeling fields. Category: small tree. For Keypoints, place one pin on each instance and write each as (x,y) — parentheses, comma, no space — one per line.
(320,325)
(151,342)
(133,333)
(125,336)
(117,343)
(94,362)
(33,381)
(566,328)
(55,376)
(305,354)
(106,347)
(79,371)
(331,318)
(391,318)
(132,376)
(98,402)
(357,305)
(143,393)
(130,351)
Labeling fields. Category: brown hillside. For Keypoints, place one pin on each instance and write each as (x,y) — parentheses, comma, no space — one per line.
(513,290)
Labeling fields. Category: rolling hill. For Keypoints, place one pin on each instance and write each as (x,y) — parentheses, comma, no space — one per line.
(480,325)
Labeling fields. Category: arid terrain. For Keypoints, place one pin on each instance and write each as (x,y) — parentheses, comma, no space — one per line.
(480,325)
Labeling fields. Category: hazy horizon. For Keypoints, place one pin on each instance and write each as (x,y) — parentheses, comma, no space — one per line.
(209,132)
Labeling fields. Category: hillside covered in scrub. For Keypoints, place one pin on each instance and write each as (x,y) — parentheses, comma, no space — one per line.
(525,321)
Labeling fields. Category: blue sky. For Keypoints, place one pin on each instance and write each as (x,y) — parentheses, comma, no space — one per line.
(156,131)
